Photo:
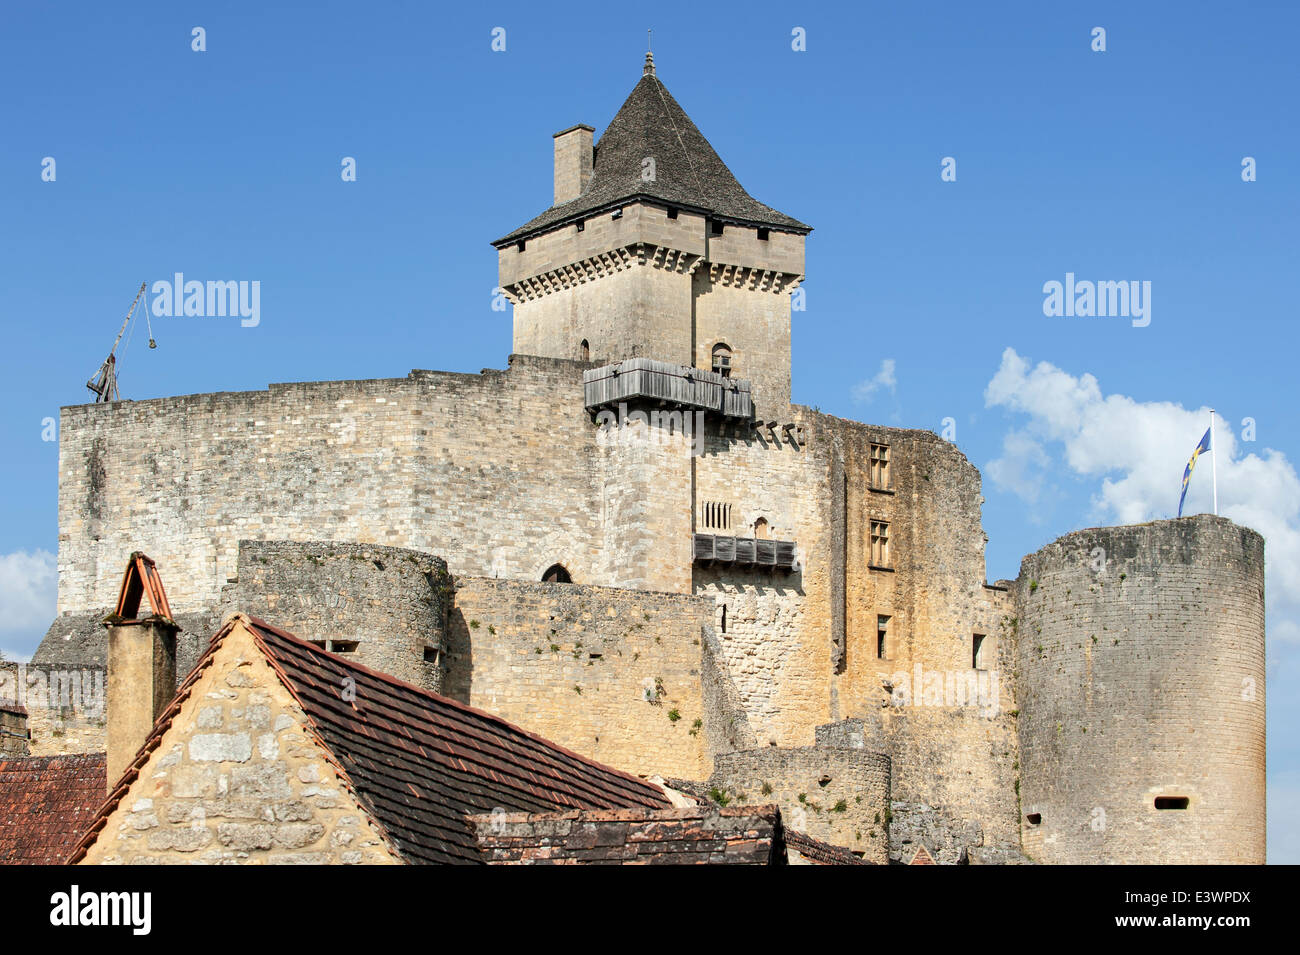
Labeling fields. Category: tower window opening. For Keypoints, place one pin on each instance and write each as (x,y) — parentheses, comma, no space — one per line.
(1034,818)
(879,473)
(879,544)
(761,529)
(882,637)
(715,227)
(977,652)
(715,516)
(520,245)
(672,212)
(432,655)
(722,359)
(584,350)
(556,574)
(724,618)
(582,225)
(1172,802)
(762,235)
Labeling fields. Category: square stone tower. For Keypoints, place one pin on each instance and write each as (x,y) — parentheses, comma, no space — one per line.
(653,249)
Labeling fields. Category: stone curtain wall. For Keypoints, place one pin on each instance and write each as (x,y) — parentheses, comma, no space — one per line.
(392,602)
(1140,679)
(65,705)
(840,796)
(499,473)
(598,670)
(236,779)
(777,639)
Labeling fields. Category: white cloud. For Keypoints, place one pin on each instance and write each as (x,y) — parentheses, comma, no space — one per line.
(883,379)
(28,590)
(1137,451)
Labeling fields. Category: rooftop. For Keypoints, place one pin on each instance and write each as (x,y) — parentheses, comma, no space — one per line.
(46,803)
(688,172)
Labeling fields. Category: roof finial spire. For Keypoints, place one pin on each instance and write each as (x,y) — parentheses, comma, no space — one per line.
(649,57)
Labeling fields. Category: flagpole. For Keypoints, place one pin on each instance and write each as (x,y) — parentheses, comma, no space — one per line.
(1214,463)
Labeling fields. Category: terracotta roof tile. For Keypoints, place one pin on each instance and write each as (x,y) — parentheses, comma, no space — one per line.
(697,835)
(45,805)
(817,851)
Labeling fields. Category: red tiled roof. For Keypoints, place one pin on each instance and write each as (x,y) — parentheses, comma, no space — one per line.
(418,762)
(817,851)
(45,805)
(696,835)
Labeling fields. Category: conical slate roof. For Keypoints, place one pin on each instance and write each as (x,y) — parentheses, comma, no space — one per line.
(688,173)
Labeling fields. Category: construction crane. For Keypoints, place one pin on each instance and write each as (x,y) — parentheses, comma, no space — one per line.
(104,383)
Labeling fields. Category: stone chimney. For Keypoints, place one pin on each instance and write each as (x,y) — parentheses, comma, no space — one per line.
(574,159)
(141,682)
(141,664)
(14,735)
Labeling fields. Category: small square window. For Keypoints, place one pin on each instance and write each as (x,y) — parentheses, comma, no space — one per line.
(715,227)
(520,245)
(672,212)
(762,235)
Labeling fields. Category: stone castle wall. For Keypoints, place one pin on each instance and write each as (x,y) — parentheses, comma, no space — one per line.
(65,705)
(499,472)
(1141,675)
(390,602)
(840,796)
(615,675)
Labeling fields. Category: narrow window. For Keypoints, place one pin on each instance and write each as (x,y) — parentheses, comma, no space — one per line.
(882,637)
(879,544)
(582,225)
(722,359)
(715,516)
(760,529)
(520,245)
(880,465)
(762,235)
(556,574)
(977,652)
(1172,802)
(584,350)
(672,212)
(724,618)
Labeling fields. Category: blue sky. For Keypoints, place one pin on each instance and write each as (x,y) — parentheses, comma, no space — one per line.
(1116,165)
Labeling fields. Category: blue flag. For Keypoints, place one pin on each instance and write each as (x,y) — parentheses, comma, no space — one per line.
(1201,448)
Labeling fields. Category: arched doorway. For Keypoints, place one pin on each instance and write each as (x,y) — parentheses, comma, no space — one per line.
(556,574)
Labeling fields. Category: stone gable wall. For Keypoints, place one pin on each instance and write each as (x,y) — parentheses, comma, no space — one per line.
(238,779)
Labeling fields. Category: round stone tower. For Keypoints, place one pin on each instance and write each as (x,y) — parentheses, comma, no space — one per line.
(1140,680)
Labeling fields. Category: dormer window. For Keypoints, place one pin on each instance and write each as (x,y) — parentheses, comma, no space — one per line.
(722,360)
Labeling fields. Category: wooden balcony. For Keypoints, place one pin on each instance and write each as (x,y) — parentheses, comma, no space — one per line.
(675,386)
(769,555)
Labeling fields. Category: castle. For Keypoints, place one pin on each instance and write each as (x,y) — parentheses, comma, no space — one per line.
(631,541)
